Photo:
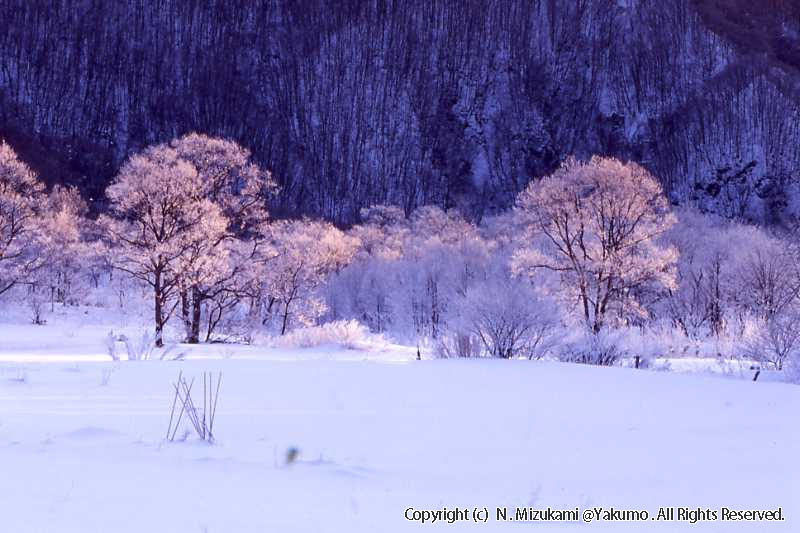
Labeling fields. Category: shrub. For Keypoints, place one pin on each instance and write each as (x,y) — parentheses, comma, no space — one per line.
(503,318)
(141,349)
(776,340)
(348,334)
(792,370)
(458,345)
(602,348)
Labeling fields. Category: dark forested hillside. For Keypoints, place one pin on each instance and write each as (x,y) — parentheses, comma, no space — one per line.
(460,104)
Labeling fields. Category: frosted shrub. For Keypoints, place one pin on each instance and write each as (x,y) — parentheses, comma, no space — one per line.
(110,342)
(776,341)
(145,347)
(642,345)
(459,344)
(349,334)
(36,303)
(502,318)
(140,349)
(792,369)
(602,348)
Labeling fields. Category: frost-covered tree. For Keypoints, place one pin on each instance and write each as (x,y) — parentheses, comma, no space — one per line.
(383,232)
(22,199)
(443,254)
(41,235)
(727,273)
(701,302)
(179,211)
(408,271)
(304,253)
(366,289)
(228,177)
(238,279)
(159,217)
(63,245)
(769,278)
(239,188)
(597,224)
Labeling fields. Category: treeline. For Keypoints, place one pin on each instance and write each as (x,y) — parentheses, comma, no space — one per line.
(592,264)
(456,104)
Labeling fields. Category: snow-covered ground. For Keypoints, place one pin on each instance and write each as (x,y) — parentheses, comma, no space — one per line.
(82,445)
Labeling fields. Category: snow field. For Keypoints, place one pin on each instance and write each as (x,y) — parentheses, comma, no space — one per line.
(82,445)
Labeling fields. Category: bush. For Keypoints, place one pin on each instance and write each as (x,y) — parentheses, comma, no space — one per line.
(775,341)
(602,348)
(502,318)
(110,342)
(458,345)
(792,370)
(348,334)
(140,350)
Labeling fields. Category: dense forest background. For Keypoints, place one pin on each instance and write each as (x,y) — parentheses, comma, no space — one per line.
(353,103)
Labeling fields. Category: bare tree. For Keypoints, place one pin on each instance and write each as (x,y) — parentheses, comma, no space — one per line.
(769,277)
(159,217)
(63,246)
(709,281)
(597,225)
(240,189)
(186,218)
(21,203)
(305,253)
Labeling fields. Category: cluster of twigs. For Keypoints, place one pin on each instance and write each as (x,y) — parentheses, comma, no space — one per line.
(202,420)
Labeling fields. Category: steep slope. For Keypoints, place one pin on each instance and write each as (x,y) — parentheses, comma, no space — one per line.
(357,102)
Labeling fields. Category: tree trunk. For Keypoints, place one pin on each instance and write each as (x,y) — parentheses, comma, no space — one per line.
(159,312)
(285,318)
(185,312)
(268,312)
(214,315)
(194,333)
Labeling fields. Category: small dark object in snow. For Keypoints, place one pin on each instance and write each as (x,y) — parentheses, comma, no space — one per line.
(291,455)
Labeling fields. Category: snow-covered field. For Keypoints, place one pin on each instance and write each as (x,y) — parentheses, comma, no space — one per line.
(82,441)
